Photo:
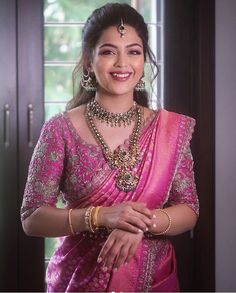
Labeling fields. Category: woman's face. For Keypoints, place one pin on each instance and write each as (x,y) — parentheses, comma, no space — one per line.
(118,63)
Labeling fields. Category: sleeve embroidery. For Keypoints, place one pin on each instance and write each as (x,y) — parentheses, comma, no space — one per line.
(183,188)
(45,170)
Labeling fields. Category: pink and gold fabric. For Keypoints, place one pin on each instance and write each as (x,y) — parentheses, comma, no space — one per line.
(65,166)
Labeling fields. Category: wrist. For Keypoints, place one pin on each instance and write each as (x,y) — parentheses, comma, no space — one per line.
(161,223)
(102,222)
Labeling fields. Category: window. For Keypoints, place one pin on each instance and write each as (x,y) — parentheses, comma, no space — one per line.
(63,22)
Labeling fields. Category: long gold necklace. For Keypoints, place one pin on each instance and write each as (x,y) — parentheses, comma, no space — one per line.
(122,159)
(112,119)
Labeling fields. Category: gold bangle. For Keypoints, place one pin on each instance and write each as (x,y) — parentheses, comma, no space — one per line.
(70,222)
(95,217)
(88,219)
(169,224)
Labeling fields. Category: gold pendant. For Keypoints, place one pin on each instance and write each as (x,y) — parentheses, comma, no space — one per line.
(124,158)
(126,181)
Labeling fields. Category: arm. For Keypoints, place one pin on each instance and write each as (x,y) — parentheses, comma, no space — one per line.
(182,205)
(49,221)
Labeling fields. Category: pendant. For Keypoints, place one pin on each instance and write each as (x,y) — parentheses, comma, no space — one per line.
(125,158)
(126,181)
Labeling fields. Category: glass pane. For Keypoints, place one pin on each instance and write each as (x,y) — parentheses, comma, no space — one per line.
(52,109)
(50,245)
(150,9)
(155,40)
(62,43)
(72,10)
(58,83)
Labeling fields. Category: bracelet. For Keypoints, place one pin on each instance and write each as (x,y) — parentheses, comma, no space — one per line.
(169,224)
(88,219)
(95,217)
(70,222)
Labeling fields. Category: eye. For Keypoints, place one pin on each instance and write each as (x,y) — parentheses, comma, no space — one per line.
(106,52)
(135,52)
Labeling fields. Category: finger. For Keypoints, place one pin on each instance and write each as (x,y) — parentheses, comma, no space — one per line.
(139,223)
(105,249)
(121,257)
(128,227)
(112,255)
(144,219)
(130,254)
(141,208)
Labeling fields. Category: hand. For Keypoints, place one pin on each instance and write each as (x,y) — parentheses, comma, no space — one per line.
(129,216)
(119,248)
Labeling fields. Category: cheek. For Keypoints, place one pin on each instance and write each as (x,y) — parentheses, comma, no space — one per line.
(100,67)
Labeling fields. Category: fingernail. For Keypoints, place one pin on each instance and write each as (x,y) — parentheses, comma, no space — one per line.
(154,216)
(99,260)
(126,263)
(146,229)
(140,231)
(115,269)
(154,225)
(104,269)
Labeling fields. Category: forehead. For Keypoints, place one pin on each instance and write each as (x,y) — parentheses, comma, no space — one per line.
(111,35)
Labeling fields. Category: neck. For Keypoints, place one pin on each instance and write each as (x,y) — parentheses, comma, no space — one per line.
(115,104)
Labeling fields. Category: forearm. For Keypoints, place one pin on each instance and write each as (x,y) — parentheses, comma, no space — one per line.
(183,219)
(54,222)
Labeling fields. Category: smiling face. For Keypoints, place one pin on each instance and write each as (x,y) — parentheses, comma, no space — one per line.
(118,63)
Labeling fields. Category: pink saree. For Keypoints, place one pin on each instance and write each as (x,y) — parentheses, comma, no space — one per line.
(63,163)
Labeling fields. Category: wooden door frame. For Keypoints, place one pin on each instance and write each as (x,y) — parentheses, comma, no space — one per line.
(31,272)
(190,89)
(21,83)
(8,148)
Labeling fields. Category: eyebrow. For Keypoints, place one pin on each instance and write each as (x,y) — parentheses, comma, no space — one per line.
(113,46)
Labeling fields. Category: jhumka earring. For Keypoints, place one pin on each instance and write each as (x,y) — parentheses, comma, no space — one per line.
(88,83)
(140,86)
(121,28)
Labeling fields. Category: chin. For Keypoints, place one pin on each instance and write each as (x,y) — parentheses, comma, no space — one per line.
(121,91)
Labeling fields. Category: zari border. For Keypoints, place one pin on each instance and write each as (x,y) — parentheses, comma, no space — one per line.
(186,128)
(152,250)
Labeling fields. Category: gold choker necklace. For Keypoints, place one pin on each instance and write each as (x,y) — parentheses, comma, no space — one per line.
(112,119)
(122,159)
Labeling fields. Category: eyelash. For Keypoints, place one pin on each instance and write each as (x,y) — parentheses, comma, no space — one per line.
(135,52)
(131,52)
(107,52)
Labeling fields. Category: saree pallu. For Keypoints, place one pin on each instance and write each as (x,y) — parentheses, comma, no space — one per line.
(166,178)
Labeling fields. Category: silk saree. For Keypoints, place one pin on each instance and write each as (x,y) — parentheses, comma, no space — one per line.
(65,166)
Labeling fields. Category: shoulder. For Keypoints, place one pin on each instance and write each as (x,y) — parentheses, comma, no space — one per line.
(76,115)
(177,118)
(54,123)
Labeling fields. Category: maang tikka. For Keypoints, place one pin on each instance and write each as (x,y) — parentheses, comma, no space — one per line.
(121,28)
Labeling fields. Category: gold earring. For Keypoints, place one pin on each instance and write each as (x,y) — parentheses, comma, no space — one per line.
(140,86)
(88,83)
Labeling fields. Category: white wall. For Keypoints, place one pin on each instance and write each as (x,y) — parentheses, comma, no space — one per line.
(225,145)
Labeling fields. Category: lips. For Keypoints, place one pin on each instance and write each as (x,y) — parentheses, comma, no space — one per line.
(120,76)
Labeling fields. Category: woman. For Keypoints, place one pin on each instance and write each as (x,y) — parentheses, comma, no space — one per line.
(123,170)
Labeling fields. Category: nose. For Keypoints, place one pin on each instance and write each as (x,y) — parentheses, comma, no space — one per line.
(121,60)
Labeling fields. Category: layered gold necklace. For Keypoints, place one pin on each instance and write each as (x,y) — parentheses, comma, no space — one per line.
(123,159)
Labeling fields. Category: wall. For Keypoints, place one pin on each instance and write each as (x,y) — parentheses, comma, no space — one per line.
(225,145)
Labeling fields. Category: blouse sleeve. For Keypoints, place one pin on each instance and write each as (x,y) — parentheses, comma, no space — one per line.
(183,190)
(45,170)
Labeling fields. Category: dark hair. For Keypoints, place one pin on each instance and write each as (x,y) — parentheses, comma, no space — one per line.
(102,18)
